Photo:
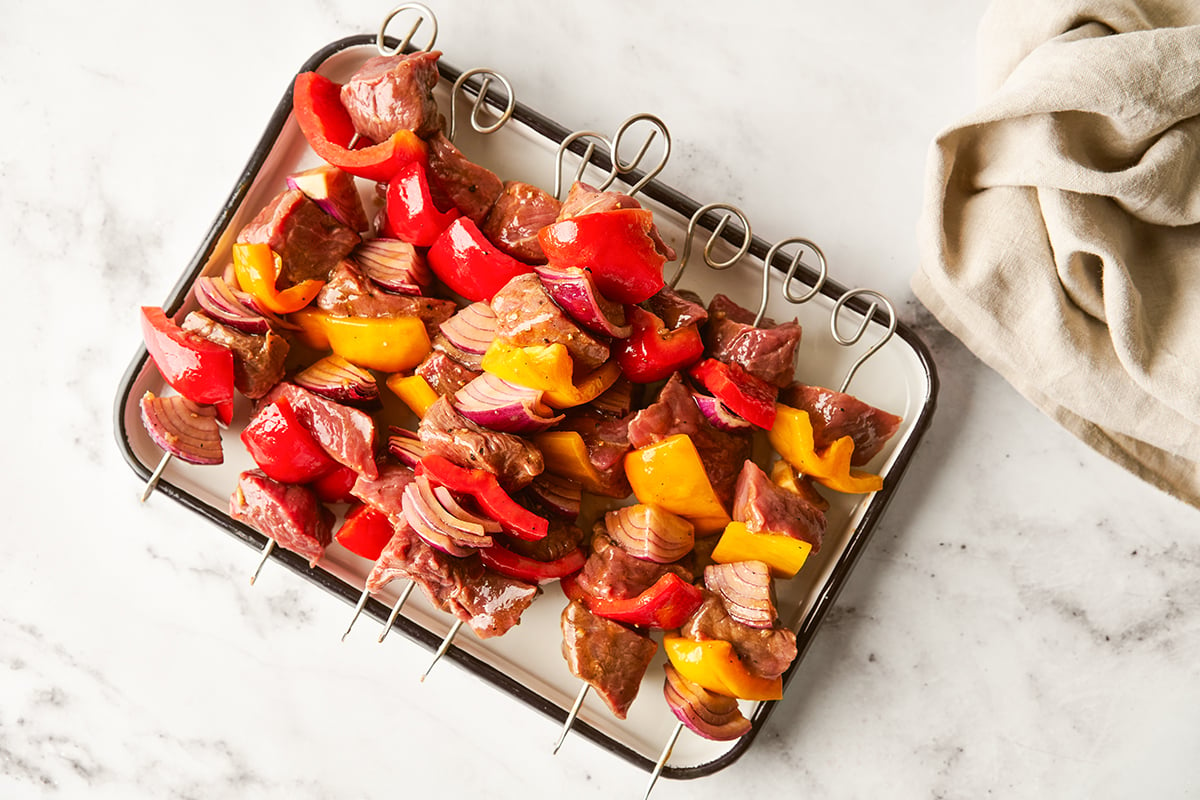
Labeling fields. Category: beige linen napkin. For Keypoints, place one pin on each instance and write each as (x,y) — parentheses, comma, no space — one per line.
(1060,238)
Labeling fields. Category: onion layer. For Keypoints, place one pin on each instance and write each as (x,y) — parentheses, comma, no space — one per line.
(705,713)
(649,533)
(335,378)
(718,415)
(502,406)
(221,303)
(562,495)
(575,292)
(184,429)
(394,265)
(745,589)
(439,526)
(472,329)
(406,447)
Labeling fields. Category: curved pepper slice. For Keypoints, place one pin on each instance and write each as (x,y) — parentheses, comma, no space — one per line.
(784,554)
(283,448)
(200,370)
(411,213)
(524,568)
(665,606)
(714,664)
(549,367)
(365,532)
(615,245)
(469,264)
(669,474)
(652,352)
(335,487)
(257,267)
(488,493)
(566,454)
(317,104)
(414,390)
(387,344)
(746,395)
(792,438)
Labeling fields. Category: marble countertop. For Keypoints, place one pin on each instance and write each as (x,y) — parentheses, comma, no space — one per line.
(1023,624)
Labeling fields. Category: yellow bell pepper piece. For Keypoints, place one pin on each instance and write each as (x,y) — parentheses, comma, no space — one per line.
(387,344)
(792,437)
(414,390)
(669,474)
(565,454)
(782,553)
(714,664)
(257,267)
(549,367)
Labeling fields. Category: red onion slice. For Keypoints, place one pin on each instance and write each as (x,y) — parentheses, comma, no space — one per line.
(337,379)
(486,524)
(562,495)
(649,533)
(182,428)
(708,714)
(718,415)
(745,589)
(472,329)
(464,532)
(405,447)
(222,304)
(422,522)
(394,265)
(575,292)
(617,400)
(502,406)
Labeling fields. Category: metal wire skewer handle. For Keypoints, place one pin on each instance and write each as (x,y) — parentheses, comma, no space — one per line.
(662,759)
(152,481)
(876,300)
(266,553)
(793,267)
(480,103)
(621,168)
(713,238)
(584,160)
(442,648)
(395,612)
(571,715)
(424,12)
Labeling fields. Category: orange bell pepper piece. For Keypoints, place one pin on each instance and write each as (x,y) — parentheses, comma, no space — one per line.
(714,664)
(386,344)
(549,367)
(257,267)
(784,554)
(565,454)
(792,437)
(669,474)
(414,390)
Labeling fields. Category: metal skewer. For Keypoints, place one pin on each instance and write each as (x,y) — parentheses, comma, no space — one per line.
(713,238)
(266,553)
(399,604)
(574,712)
(423,14)
(613,148)
(443,647)
(152,481)
(480,101)
(662,759)
(794,265)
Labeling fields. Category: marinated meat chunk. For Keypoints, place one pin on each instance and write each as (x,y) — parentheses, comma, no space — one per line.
(561,538)
(288,513)
(346,434)
(308,241)
(763,506)
(394,93)
(766,652)
(350,293)
(586,199)
(257,358)
(392,563)
(676,412)
(457,181)
(520,211)
(449,434)
(610,573)
(836,414)
(489,602)
(676,309)
(607,442)
(767,351)
(443,374)
(385,491)
(526,315)
(611,658)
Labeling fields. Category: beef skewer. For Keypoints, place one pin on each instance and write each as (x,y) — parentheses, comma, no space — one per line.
(868,315)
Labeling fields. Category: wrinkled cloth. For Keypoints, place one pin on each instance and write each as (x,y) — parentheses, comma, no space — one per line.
(1060,236)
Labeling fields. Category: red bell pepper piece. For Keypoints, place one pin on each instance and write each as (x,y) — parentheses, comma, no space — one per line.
(200,370)
(666,605)
(524,568)
(365,532)
(411,213)
(317,104)
(283,448)
(335,487)
(469,264)
(746,395)
(488,493)
(652,352)
(615,245)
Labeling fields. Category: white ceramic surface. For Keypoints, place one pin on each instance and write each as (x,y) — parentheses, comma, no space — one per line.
(1023,623)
